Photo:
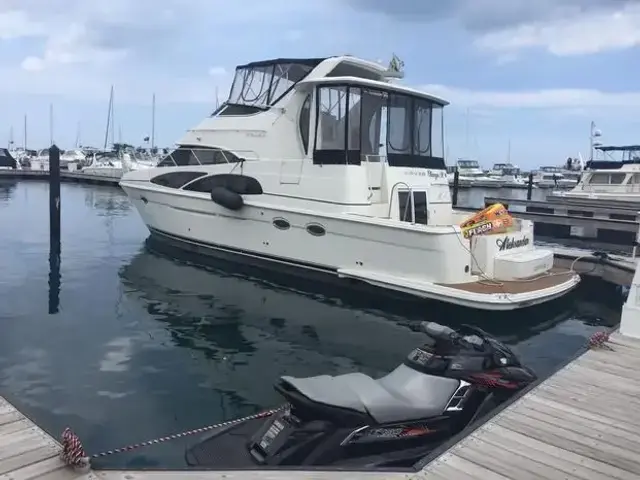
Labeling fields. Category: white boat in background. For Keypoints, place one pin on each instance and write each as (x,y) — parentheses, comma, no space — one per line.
(73,155)
(509,175)
(326,167)
(470,174)
(552,177)
(104,164)
(610,179)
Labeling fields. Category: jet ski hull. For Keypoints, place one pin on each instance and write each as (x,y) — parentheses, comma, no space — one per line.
(315,443)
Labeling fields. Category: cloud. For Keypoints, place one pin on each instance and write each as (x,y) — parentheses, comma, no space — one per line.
(589,33)
(574,100)
(562,27)
(17,24)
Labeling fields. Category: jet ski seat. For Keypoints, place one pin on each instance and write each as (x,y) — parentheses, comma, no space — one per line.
(402,395)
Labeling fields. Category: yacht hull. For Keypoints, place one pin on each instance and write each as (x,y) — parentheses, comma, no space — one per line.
(407,260)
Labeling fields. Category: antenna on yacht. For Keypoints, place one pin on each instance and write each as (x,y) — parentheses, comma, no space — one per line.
(153,121)
(594,135)
(395,68)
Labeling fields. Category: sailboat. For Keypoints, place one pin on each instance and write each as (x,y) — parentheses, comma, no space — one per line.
(106,163)
(508,173)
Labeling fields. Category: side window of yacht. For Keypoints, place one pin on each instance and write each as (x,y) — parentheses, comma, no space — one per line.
(176,179)
(422,128)
(304,122)
(404,201)
(373,124)
(420,205)
(331,126)
(197,156)
(354,120)
(599,179)
(617,178)
(399,125)
(437,131)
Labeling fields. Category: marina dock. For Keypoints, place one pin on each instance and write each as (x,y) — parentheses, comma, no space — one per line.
(609,221)
(65,176)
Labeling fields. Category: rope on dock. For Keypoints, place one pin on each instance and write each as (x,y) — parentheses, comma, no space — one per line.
(74,455)
(599,340)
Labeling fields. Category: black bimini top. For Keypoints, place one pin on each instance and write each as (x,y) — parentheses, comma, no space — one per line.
(311,62)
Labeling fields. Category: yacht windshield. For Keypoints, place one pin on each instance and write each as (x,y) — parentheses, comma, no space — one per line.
(262,84)
(468,164)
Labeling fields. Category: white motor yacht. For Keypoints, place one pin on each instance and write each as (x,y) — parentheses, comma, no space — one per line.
(610,179)
(328,166)
(470,174)
(509,175)
(553,177)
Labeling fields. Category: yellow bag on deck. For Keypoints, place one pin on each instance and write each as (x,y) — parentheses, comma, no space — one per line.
(493,219)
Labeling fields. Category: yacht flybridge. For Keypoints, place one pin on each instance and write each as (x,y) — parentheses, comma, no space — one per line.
(326,165)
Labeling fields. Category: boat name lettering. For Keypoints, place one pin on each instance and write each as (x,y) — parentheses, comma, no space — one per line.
(509,243)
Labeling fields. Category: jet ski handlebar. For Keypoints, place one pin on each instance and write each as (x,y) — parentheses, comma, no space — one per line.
(442,332)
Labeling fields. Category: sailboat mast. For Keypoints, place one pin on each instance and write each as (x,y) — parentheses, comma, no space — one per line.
(10,137)
(113,119)
(153,121)
(50,124)
(106,132)
(25,133)
(78,142)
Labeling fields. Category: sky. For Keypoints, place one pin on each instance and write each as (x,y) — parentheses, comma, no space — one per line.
(525,78)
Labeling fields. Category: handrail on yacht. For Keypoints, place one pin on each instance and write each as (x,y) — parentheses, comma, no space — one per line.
(410,199)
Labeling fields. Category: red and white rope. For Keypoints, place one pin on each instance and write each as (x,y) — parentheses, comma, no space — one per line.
(73,453)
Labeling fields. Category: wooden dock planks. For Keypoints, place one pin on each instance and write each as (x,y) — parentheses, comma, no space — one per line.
(583,423)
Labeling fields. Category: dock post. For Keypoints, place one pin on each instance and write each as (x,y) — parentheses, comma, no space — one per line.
(456,179)
(54,229)
(530,186)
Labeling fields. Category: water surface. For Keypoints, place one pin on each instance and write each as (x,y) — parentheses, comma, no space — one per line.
(139,344)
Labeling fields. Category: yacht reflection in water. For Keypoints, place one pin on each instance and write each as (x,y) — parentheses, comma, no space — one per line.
(7,189)
(207,307)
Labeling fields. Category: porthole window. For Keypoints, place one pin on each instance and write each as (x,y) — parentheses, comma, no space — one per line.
(316,229)
(281,224)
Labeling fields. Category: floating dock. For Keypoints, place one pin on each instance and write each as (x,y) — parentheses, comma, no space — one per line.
(580,424)
(614,222)
(65,176)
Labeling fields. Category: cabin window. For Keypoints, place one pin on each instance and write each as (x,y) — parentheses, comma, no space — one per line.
(354,109)
(373,124)
(353,121)
(617,178)
(419,206)
(303,123)
(176,179)
(241,184)
(437,131)
(331,126)
(197,156)
(607,179)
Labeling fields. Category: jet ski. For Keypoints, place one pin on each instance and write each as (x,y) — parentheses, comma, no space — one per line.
(354,420)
